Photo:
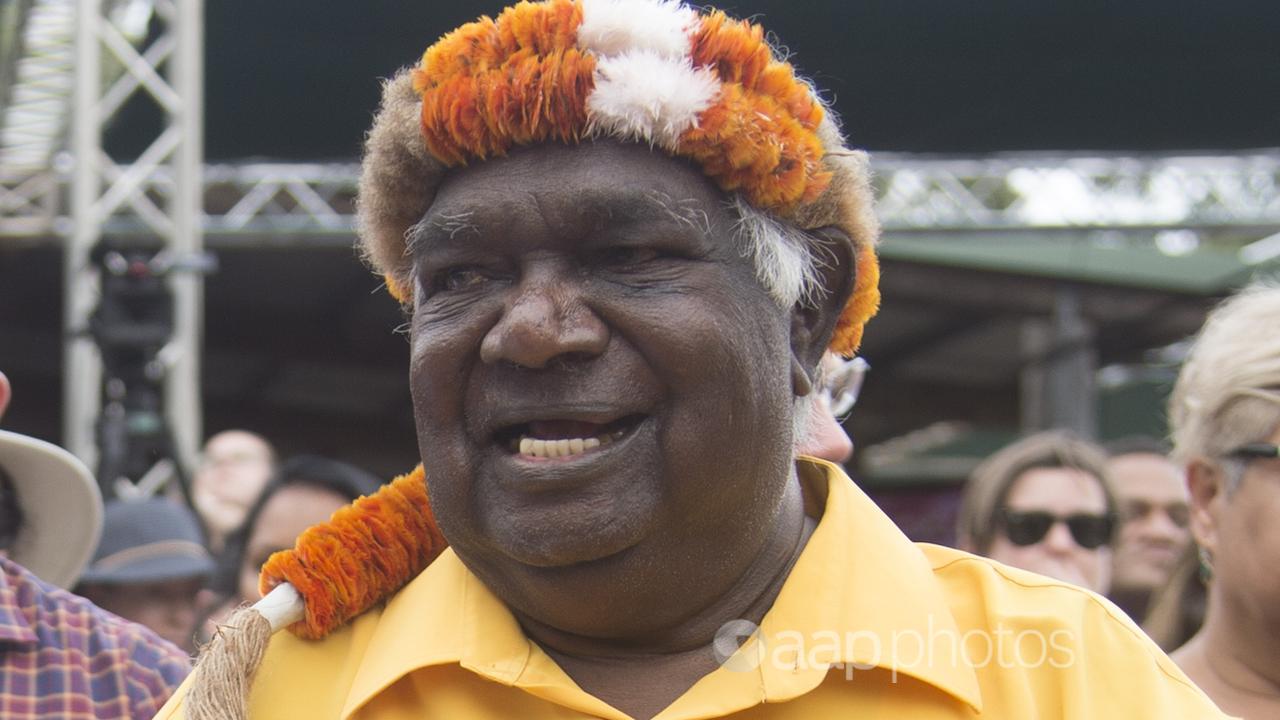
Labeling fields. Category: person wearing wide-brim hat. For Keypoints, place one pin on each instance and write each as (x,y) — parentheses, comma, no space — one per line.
(52,508)
(62,656)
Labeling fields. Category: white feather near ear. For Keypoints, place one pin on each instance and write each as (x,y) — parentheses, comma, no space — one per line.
(643,97)
(612,27)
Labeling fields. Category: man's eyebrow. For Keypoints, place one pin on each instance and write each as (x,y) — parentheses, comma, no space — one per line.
(439,226)
(656,204)
(640,208)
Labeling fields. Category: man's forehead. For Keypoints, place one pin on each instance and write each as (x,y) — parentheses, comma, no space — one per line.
(235,442)
(595,185)
(1147,476)
(595,205)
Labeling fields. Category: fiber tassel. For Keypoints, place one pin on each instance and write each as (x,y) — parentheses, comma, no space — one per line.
(224,674)
(336,570)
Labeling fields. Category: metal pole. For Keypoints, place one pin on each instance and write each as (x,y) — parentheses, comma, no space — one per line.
(1073,367)
(83,367)
(1058,388)
(182,396)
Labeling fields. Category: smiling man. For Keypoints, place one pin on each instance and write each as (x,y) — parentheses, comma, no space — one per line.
(1154,522)
(626,234)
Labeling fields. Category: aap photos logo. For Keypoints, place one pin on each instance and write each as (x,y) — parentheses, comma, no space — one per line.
(738,646)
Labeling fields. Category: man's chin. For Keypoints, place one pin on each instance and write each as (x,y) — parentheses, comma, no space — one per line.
(559,531)
(543,549)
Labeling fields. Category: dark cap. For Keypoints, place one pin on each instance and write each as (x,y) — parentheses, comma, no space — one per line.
(148,540)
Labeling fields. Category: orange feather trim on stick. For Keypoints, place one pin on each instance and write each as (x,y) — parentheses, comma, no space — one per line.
(366,552)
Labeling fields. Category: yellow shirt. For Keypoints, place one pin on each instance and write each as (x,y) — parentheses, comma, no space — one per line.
(867,625)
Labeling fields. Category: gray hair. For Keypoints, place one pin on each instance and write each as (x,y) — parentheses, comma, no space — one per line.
(785,259)
(1228,391)
(784,256)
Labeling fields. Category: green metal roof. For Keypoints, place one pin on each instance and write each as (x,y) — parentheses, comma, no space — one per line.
(1206,271)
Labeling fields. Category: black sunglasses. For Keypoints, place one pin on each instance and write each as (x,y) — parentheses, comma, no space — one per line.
(1030,527)
(1256,450)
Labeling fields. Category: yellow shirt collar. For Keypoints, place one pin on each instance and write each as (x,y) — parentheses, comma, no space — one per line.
(858,585)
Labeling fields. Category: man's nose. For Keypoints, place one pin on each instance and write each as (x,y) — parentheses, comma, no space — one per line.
(545,319)
(182,614)
(1159,524)
(1059,539)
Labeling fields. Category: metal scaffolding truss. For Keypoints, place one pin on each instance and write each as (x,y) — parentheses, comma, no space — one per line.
(34,104)
(39,85)
(151,49)
(270,203)
(265,199)
(37,96)
(1048,192)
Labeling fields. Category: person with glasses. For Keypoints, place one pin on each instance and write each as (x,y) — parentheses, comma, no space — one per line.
(1224,415)
(840,381)
(1043,504)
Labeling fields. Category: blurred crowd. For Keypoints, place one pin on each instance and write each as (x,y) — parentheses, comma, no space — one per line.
(1181,536)
(181,572)
(114,599)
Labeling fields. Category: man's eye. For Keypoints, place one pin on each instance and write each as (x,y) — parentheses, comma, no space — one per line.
(1135,510)
(457,278)
(625,256)
(1179,515)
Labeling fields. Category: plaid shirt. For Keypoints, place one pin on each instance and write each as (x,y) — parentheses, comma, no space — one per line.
(63,657)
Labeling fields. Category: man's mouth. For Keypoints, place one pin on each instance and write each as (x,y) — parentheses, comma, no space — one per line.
(564,438)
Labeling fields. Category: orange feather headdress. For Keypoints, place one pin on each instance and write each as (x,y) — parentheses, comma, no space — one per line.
(699,86)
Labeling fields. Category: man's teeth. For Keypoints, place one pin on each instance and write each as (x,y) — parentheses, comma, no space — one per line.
(533,447)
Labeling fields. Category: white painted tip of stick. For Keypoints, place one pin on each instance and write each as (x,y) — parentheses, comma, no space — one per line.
(281,607)
(1260,251)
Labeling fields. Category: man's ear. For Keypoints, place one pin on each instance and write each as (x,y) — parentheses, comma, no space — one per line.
(5,393)
(1206,486)
(813,319)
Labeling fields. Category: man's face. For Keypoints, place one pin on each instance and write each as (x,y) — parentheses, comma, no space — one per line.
(824,436)
(168,607)
(233,470)
(1060,492)
(1152,496)
(603,390)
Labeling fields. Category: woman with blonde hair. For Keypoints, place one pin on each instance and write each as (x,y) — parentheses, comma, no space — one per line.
(1225,419)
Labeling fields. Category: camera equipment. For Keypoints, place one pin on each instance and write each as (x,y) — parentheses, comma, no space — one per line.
(132,327)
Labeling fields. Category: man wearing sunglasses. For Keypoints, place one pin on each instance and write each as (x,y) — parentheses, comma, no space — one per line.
(1043,504)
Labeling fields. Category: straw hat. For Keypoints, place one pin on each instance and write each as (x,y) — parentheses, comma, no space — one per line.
(61,508)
